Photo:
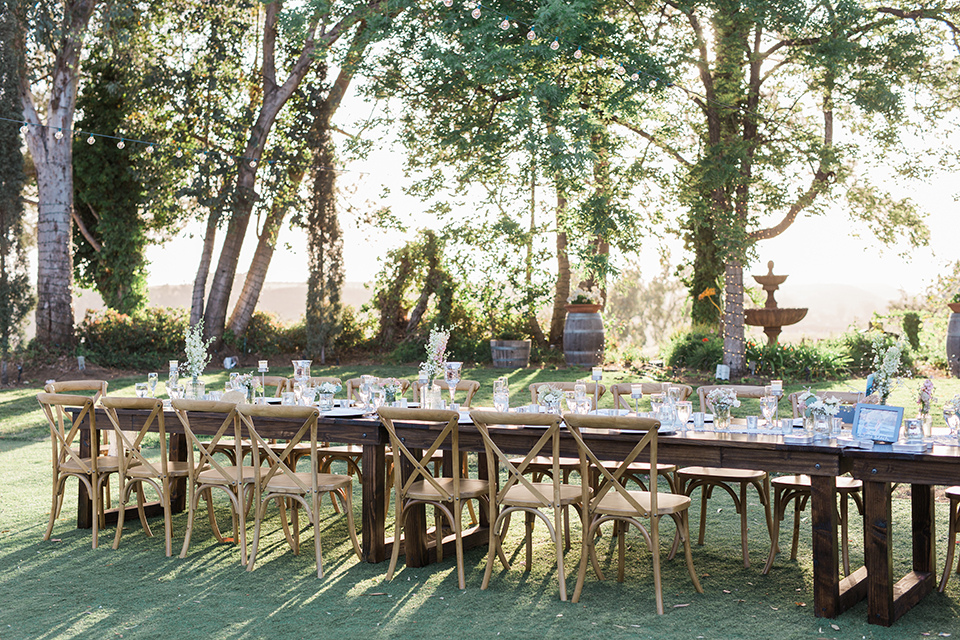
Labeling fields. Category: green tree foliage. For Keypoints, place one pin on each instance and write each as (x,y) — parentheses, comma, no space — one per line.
(773,107)
(110,234)
(16,296)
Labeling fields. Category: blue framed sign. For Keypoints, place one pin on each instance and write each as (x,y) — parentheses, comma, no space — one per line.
(877,422)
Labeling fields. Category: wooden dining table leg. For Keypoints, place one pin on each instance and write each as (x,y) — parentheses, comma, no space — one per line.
(375,491)
(831,595)
(878,551)
(84,503)
(177,452)
(414,525)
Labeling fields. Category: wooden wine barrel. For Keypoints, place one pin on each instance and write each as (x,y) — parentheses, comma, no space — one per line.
(583,336)
(953,344)
(510,354)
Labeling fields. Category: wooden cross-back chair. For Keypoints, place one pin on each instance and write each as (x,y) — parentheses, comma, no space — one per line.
(611,500)
(91,471)
(565,385)
(797,488)
(136,469)
(621,392)
(281,481)
(520,494)
(98,389)
(207,474)
(419,486)
(709,478)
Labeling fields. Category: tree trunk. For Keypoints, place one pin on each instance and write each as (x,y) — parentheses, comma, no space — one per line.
(52,157)
(203,271)
(55,245)
(734,350)
(257,274)
(562,288)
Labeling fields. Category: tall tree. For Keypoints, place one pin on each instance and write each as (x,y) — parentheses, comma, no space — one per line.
(16,297)
(52,34)
(771,81)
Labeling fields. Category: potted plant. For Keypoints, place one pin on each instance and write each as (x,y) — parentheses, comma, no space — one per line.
(584,301)
(511,349)
(954,303)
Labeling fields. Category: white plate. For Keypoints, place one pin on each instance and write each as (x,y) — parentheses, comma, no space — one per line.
(343,412)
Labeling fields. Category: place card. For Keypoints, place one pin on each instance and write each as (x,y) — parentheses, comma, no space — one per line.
(853,443)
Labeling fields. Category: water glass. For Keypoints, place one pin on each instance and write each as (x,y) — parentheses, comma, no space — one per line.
(914,430)
(326,402)
(684,409)
(309,394)
(152,380)
(752,423)
(656,403)
(673,393)
(141,389)
(501,395)
(232,383)
(580,389)
(364,391)
(953,421)
(786,425)
(698,420)
(175,391)
(288,398)
(836,425)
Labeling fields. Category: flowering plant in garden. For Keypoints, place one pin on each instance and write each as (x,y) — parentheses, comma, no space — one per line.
(925,396)
(887,365)
(436,353)
(723,399)
(584,296)
(196,349)
(548,394)
(329,387)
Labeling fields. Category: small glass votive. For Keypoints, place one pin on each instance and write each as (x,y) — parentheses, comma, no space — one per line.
(288,398)
(752,423)
(698,420)
(914,430)
(786,425)
(596,373)
(836,425)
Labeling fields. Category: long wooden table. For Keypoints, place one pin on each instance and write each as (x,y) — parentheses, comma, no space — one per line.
(823,463)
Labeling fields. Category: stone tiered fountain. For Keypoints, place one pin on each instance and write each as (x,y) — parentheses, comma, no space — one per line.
(771,317)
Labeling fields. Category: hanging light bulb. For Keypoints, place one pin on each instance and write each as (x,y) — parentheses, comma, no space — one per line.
(620,70)
(448,3)
(653,84)
(475,13)
(531,35)
(121,144)
(59,134)
(578,53)
(253,164)
(179,153)
(203,156)
(91,139)
(505,24)
(601,63)
(23,129)
(555,44)
(229,161)
(635,77)
(149,149)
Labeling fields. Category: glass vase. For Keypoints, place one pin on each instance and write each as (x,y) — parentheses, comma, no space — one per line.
(195,388)
(326,402)
(721,418)
(809,424)
(552,406)
(821,427)
(927,419)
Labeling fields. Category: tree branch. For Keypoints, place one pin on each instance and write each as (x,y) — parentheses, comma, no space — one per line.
(86,232)
(660,144)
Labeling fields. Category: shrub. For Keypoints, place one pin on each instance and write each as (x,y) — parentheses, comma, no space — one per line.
(805,361)
(267,336)
(694,349)
(911,327)
(142,341)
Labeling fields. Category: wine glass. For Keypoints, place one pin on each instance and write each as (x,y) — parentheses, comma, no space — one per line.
(953,421)
(684,411)
(364,391)
(451,374)
(501,395)
(768,407)
(152,380)
(656,405)
(141,389)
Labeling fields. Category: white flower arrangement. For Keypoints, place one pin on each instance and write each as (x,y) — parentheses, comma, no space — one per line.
(548,395)
(723,399)
(247,381)
(925,396)
(887,365)
(436,354)
(823,407)
(196,349)
(584,296)
(329,387)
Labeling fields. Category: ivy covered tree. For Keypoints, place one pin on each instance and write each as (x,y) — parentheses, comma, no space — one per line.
(16,296)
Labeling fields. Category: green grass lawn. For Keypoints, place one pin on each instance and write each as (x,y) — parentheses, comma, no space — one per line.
(63,588)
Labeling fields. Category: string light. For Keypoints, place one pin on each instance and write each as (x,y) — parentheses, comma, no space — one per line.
(578,53)
(601,63)
(476,13)
(91,139)
(23,129)
(229,161)
(505,24)
(531,35)
(253,164)
(555,44)
(621,70)
(448,3)
(121,145)
(149,149)
(179,153)
(59,134)
(203,156)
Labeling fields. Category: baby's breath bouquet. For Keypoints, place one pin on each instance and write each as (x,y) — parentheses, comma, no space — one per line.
(886,363)
(392,389)
(329,387)
(436,354)
(196,349)
(547,394)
